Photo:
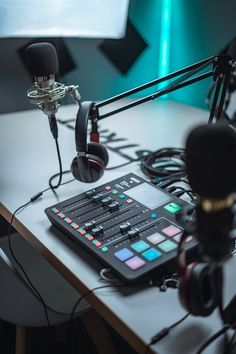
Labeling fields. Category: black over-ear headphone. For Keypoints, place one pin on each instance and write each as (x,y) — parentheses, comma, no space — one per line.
(91,160)
(199,284)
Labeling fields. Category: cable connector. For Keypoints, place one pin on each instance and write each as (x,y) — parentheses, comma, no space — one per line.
(36,196)
(160,335)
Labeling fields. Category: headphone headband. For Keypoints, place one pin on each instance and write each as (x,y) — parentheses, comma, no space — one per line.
(82,125)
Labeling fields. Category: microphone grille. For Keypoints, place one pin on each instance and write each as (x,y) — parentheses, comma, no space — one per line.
(41,59)
(211,160)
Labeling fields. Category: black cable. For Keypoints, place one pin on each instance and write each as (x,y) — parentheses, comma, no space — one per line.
(231,343)
(163,332)
(163,163)
(122,165)
(165,182)
(189,192)
(60,168)
(58,174)
(18,263)
(32,199)
(86,294)
(212,338)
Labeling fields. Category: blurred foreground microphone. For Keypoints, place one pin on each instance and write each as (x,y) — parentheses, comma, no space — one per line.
(47,93)
(210,164)
(232,52)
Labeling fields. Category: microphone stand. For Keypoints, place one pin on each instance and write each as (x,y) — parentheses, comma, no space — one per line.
(221,71)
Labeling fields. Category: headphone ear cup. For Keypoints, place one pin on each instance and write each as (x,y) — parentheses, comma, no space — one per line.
(90,168)
(197,291)
(75,169)
(87,169)
(99,150)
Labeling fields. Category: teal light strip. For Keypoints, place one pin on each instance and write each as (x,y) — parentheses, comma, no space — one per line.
(164,59)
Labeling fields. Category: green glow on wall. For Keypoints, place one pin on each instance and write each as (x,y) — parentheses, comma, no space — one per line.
(164,59)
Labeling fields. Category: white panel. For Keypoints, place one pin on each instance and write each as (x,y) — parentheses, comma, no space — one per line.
(71,18)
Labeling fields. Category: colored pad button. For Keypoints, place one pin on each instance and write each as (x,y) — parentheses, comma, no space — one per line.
(122,196)
(140,246)
(123,254)
(114,191)
(171,230)
(177,238)
(156,238)
(135,263)
(68,220)
(153,215)
(104,249)
(108,188)
(167,246)
(96,243)
(74,225)
(172,208)
(151,254)
(55,210)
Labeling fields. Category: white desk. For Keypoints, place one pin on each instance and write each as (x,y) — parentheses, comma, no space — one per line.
(28,158)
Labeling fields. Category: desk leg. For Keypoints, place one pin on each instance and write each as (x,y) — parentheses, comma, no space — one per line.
(20,340)
(98,333)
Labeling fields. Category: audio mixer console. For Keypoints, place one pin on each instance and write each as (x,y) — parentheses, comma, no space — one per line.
(129,224)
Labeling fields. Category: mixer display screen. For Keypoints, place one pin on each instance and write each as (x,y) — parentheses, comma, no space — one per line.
(148,195)
(129,224)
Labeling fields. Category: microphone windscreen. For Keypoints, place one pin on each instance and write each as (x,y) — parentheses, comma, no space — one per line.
(41,59)
(211,160)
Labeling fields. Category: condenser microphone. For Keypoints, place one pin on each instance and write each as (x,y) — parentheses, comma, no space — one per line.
(210,166)
(46,93)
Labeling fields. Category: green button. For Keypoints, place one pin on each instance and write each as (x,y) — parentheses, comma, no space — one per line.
(95,241)
(121,196)
(73,224)
(114,191)
(87,235)
(172,208)
(66,219)
(167,246)
(60,214)
(104,249)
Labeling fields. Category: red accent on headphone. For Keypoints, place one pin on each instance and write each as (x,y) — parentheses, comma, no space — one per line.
(94,137)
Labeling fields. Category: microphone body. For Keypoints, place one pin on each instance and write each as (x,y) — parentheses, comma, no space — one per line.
(210,165)
(214,232)
(210,158)
(46,92)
